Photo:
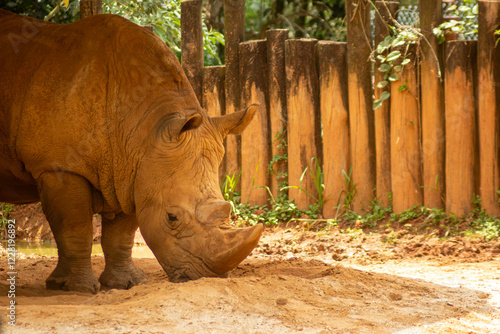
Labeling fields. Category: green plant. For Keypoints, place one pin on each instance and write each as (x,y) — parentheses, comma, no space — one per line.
(282,177)
(392,55)
(54,10)
(350,191)
(165,17)
(353,233)
(377,213)
(407,215)
(5,210)
(463,21)
(490,230)
(306,18)
(228,188)
(496,33)
(318,179)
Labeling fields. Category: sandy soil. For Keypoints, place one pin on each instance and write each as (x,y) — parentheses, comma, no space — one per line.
(294,282)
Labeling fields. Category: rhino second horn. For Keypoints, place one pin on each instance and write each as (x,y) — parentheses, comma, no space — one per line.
(213,212)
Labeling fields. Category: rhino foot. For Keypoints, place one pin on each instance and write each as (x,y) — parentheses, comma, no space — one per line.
(73,282)
(122,277)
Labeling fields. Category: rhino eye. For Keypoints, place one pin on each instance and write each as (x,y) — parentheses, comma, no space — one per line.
(172,217)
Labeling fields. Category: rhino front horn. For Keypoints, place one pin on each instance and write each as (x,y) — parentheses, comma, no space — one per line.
(232,246)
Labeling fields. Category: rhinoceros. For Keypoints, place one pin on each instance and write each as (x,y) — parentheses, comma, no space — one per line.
(97,116)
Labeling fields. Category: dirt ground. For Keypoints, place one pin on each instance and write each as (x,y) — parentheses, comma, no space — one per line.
(295,281)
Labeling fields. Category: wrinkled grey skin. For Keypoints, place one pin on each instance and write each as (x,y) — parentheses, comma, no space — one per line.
(98,117)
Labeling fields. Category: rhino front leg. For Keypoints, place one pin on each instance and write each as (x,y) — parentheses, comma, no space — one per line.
(117,242)
(67,203)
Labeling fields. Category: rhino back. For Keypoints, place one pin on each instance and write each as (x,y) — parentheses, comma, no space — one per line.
(71,95)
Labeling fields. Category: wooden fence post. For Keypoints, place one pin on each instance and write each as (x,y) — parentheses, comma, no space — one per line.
(406,174)
(461,157)
(277,104)
(214,99)
(334,108)
(213,90)
(234,33)
(192,44)
(89,8)
(433,121)
(360,101)
(488,60)
(386,13)
(255,150)
(303,117)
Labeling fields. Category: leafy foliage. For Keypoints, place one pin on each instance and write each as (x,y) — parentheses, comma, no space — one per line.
(41,8)
(305,18)
(392,55)
(5,209)
(463,21)
(165,18)
(282,177)
(317,177)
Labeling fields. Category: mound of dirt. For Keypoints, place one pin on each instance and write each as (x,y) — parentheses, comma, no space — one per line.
(32,225)
(260,296)
(296,280)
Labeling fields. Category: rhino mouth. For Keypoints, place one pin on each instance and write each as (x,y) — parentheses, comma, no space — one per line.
(210,259)
(192,270)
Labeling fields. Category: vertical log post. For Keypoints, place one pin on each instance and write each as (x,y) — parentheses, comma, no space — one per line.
(214,98)
(433,121)
(488,60)
(234,33)
(386,12)
(277,105)
(460,126)
(303,117)
(255,150)
(89,8)
(406,174)
(192,44)
(360,101)
(334,108)
(213,90)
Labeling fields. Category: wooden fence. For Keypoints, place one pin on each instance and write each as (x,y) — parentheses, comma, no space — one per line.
(434,144)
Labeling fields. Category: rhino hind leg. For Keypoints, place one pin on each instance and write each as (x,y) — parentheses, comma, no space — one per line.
(117,242)
(67,203)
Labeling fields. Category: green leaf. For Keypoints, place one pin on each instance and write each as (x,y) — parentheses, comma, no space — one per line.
(377,104)
(399,41)
(384,68)
(385,95)
(382,84)
(437,31)
(385,44)
(397,68)
(381,58)
(402,88)
(393,55)
(405,62)
(393,77)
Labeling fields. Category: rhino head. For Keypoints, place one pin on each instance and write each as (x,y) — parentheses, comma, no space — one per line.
(179,205)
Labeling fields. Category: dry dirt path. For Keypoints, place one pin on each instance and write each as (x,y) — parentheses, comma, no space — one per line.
(294,282)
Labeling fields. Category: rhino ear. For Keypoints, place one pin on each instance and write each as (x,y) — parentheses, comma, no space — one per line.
(172,128)
(236,122)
